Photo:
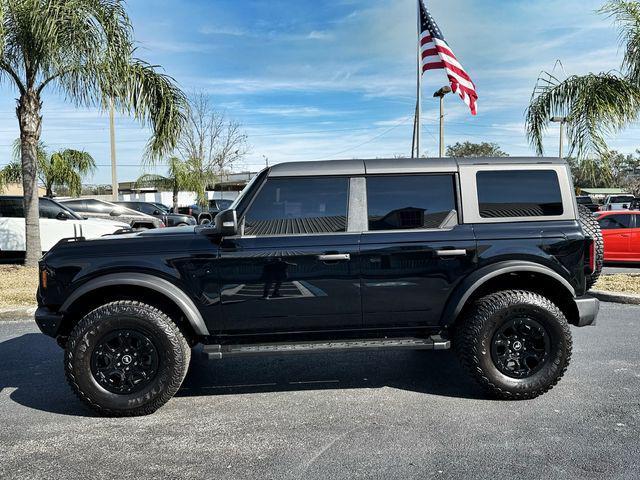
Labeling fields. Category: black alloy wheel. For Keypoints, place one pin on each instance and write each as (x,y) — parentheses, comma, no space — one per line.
(520,347)
(124,361)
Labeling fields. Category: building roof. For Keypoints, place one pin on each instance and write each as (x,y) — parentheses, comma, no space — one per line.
(602,191)
(396,165)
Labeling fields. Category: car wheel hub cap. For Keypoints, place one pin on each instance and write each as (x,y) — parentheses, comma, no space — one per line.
(124,361)
(520,347)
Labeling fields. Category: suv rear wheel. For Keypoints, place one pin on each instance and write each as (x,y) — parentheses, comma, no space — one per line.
(516,344)
(126,358)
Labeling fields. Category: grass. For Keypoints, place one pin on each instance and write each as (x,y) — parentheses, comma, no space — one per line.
(620,282)
(18,286)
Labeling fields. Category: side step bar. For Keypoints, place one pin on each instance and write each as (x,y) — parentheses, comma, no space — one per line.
(216,352)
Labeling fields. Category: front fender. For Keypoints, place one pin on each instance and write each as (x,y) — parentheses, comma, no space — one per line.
(160,285)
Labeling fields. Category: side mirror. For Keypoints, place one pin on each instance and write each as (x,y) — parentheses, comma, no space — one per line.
(115,213)
(62,216)
(226,223)
(156,212)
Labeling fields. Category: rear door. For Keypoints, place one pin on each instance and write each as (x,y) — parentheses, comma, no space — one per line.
(415,251)
(616,232)
(296,266)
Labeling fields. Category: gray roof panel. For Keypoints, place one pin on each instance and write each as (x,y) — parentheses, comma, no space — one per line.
(397,165)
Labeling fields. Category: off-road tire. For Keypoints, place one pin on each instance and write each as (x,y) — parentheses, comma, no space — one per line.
(172,348)
(474,336)
(591,228)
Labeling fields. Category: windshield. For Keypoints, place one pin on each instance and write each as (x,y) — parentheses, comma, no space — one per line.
(243,193)
(161,207)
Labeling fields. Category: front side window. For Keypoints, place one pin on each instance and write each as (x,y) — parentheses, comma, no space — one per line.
(410,201)
(289,206)
(48,209)
(614,222)
(519,193)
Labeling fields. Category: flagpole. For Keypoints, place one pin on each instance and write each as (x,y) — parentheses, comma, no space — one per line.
(419,88)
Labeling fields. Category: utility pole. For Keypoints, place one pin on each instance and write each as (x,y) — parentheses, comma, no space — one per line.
(561,121)
(440,94)
(112,134)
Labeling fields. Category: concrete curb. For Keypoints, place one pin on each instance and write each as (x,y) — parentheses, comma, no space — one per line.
(17,313)
(616,297)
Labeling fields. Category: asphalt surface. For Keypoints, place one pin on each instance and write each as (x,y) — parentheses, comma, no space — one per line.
(350,415)
(610,269)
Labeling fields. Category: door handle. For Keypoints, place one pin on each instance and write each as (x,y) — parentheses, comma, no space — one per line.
(451,253)
(334,257)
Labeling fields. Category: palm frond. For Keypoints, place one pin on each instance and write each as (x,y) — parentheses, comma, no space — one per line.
(595,105)
(626,15)
(153,180)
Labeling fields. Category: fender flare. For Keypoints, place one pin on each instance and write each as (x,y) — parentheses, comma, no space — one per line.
(160,285)
(469,285)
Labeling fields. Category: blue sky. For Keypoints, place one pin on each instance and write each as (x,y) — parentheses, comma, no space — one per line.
(336,79)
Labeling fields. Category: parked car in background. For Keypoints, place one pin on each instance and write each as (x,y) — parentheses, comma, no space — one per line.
(618,202)
(621,233)
(56,222)
(635,204)
(587,202)
(93,208)
(159,211)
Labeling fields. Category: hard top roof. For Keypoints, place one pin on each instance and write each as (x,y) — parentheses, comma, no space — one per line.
(397,165)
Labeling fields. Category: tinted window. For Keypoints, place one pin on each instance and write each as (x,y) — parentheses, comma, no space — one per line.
(299,205)
(621,199)
(519,193)
(95,206)
(48,209)
(11,207)
(412,201)
(612,222)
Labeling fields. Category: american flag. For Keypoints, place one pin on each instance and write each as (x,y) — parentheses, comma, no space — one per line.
(436,55)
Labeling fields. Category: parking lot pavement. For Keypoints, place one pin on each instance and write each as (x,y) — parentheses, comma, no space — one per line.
(610,269)
(355,415)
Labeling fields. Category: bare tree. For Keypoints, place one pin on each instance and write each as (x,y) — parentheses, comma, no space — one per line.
(210,143)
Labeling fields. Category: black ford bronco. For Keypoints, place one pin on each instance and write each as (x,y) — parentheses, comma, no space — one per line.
(490,256)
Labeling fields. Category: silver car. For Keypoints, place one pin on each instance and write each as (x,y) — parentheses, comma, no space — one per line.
(93,208)
(618,202)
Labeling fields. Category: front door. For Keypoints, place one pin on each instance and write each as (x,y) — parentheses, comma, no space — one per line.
(415,252)
(295,267)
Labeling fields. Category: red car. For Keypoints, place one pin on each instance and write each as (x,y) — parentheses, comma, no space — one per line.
(621,234)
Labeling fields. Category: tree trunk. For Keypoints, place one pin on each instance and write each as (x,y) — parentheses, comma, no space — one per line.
(28,111)
(175,197)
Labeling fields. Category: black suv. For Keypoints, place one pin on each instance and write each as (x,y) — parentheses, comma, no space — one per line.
(487,255)
(158,211)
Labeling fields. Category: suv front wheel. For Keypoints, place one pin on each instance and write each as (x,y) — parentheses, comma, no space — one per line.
(516,344)
(126,358)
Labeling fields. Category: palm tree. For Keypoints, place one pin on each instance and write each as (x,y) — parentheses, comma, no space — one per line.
(83,49)
(595,104)
(180,176)
(64,168)
(10,173)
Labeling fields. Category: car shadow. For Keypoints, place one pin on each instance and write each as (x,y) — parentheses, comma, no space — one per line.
(31,369)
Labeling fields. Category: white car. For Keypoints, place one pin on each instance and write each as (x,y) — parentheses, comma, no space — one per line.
(618,202)
(56,222)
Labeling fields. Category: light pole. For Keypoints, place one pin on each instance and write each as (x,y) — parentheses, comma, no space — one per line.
(561,121)
(440,94)
(112,138)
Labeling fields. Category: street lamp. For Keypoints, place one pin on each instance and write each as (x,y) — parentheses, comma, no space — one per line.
(440,94)
(561,121)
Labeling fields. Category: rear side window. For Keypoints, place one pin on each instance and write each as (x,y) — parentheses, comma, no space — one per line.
(409,201)
(75,205)
(614,222)
(519,193)
(289,206)
(11,208)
